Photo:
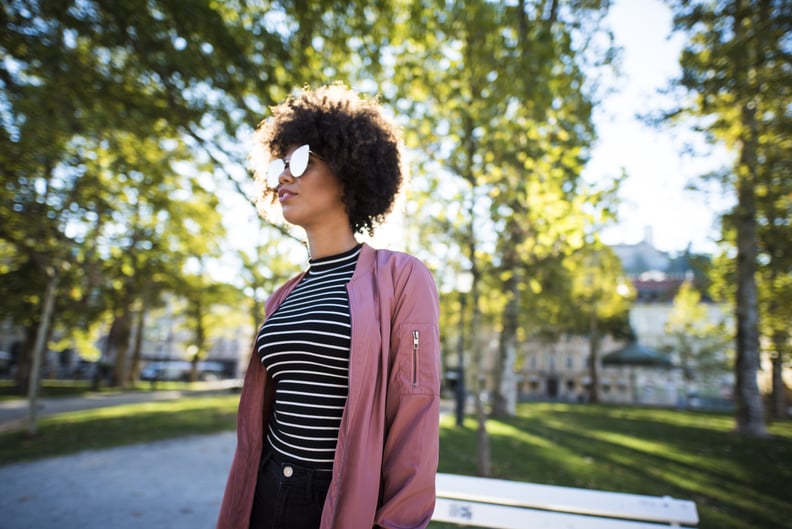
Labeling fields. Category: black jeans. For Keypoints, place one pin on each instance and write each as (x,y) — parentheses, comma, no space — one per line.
(288,496)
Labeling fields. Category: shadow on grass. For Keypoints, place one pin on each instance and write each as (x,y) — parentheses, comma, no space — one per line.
(736,482)
(120,425)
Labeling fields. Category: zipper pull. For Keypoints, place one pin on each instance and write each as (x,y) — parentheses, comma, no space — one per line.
(416,337)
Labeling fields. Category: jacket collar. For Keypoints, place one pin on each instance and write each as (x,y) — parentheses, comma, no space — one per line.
(366,260)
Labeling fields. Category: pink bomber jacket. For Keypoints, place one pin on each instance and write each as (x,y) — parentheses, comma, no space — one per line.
(386,459)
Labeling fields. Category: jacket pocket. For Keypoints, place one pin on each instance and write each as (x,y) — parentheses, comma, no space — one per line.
(417,356)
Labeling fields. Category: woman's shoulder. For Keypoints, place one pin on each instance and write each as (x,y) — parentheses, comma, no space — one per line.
(397,259)
(402,266)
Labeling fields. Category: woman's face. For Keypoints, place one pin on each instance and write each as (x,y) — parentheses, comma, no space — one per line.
(315,198)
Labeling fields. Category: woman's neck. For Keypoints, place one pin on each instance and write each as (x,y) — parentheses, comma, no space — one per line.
(327,242)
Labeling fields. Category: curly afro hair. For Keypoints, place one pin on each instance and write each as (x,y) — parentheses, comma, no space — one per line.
(351,133)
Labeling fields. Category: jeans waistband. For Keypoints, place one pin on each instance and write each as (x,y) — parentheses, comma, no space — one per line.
(292,471)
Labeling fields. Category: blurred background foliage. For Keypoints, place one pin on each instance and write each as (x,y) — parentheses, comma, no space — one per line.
(126,125)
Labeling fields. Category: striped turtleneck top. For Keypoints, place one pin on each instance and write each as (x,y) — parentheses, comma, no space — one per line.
(305,347)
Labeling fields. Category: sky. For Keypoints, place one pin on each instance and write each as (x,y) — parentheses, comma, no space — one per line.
(653,195)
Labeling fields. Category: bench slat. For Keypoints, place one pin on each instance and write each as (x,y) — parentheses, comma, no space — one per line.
(567,499)
(504,517)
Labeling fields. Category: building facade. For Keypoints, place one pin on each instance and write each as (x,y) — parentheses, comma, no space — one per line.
(561,370)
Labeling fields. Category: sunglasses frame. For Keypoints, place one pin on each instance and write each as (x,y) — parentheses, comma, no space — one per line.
(276,167)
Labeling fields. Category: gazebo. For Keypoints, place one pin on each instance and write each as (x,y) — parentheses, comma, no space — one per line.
(635,356)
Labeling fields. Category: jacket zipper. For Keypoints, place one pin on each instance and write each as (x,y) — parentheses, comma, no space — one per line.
(416,342)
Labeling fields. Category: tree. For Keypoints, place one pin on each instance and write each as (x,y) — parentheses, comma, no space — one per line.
(203,298)
(265,265)
(702,345)
(600,300)
(106,104)
(497,105)
(736,71)
(774,233)
(94,98)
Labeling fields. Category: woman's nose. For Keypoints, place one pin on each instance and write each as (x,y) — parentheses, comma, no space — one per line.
(285,175)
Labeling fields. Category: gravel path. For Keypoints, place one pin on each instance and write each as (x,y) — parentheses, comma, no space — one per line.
(173,484)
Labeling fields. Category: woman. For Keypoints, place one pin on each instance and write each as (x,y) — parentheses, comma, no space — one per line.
(338,418)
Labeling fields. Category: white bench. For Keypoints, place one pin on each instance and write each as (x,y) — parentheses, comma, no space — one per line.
(501,504)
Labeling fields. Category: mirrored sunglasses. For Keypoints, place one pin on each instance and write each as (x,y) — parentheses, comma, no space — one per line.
(297,164)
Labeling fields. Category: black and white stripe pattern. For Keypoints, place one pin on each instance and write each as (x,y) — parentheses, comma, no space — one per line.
(305,347)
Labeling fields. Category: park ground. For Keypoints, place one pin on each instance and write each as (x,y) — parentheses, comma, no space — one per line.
(160,459)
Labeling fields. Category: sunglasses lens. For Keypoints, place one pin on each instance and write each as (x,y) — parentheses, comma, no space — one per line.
(274,171)
(299,161)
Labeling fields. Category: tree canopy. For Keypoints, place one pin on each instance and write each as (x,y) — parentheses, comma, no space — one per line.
(125,124)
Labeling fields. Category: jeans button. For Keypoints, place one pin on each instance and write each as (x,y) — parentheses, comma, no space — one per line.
(287,471)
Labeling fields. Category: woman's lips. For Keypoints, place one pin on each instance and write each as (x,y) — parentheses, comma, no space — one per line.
(285,194)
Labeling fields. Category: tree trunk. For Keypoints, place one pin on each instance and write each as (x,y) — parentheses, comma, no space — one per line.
(482,439)
(778,407)
(197,351)
(749,411)
(505,397)
(594,343)
(118,344)
(134,368)
(504,402)
(460,387)
(39,349)
(24,359)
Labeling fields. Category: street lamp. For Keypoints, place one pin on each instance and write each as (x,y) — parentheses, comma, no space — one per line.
(464,282)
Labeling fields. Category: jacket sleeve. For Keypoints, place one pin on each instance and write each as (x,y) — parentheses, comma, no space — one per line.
(411,445)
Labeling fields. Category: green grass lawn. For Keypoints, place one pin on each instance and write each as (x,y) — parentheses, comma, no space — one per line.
(737,483)
(119,425)
(54,388)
